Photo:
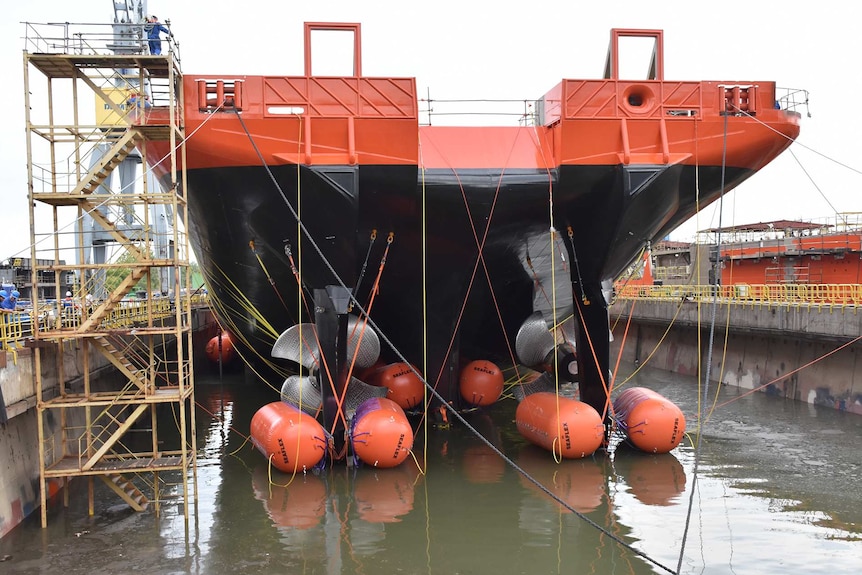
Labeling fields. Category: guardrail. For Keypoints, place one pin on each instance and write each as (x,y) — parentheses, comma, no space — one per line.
(18,326)
(96,39)
(814,295)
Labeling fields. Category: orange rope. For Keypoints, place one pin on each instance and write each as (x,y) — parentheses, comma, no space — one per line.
(325,364)
(608,403)
(620,355)
(295,271)
(266,273)
(800,368)
(374,291)
(480,259)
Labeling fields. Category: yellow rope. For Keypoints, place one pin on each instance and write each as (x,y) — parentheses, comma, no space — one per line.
(425,399)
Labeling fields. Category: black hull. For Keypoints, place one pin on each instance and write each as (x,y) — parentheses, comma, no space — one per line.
(242,223)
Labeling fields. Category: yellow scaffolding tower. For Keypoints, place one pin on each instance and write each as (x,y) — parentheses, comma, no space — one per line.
(102,106)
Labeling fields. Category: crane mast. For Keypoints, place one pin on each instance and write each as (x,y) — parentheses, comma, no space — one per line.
(129,37)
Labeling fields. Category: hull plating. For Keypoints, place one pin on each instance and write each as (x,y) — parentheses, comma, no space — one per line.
(245,233)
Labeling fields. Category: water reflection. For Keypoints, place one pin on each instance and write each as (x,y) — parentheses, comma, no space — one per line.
(771,477)
(385,495)
(579,483)
(298,502)
(482,464)
(654,479)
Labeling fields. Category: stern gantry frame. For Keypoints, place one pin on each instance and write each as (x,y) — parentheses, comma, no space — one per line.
(109,428)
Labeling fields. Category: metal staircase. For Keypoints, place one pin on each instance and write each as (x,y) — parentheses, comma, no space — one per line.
(121,149)
(120,360)
(114,298)
(127,490)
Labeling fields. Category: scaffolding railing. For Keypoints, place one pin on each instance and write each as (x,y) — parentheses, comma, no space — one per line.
(91,39)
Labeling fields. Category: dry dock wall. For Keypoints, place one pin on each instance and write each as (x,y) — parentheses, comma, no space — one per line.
(805,353)
(19,436)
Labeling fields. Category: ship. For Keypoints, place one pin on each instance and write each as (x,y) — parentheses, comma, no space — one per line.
(325,201)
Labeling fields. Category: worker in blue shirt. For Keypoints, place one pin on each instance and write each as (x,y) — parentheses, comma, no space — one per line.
(154,28)
(11,302)
(4,318)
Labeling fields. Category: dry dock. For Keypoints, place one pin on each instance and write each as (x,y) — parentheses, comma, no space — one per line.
(803,351)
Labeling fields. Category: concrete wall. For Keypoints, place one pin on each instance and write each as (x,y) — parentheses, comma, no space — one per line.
(806,354)
(19,487)
(19,446)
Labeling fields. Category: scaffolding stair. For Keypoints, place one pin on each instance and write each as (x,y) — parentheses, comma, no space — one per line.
(109,428)
(115,437)
(92,208)
(113,299)
(124,146)
(120,361)
(127,490)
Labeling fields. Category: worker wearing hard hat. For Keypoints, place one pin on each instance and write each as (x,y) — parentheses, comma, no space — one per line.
(9,303)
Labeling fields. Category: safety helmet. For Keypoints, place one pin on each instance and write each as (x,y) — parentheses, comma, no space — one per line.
(15,293)
(4,293)
(68,294)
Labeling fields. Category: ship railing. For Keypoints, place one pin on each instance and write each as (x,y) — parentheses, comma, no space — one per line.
(814,295)
(671,272)
(793,99)
(444,112)
(89,39)
(827,230)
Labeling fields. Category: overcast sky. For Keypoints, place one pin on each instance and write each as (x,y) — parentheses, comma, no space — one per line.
(496,50)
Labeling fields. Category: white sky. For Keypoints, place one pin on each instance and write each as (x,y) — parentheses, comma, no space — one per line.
(499,50)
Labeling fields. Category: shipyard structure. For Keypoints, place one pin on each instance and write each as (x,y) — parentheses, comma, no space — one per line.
(106,285)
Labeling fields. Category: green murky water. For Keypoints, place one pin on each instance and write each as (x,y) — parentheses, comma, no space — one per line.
(777,490)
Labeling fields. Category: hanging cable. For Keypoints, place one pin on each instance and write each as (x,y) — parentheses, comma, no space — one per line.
(364,324)
(480,245)
(140,178)
(717,278)
(267,274)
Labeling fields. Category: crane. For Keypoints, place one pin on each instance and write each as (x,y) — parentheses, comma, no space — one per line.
(130,17)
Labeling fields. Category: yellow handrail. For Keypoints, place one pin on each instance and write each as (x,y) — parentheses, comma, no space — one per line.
(746,294)
(16,327)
